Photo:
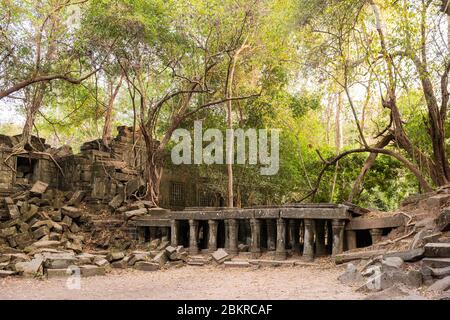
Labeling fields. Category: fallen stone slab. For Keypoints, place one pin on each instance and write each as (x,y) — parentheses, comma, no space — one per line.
(8,232)
(412,255)
(85,258)
(271,263)
(6,273)
(58,273)
(440,272)
(134,213)
(161,258)
(146,266)
(71,212)
(163,245)
(13,211)
(436,262)
(76,198)
(59,261)
(440,285)
(138,256)
(74,228)
(412,279)
(77,247)
(362,255)
(41,232)
(351,276)
(117,201)
(39,188)
(92,270)
(391,263)
(67,221)
(31,268)
(237,264)
(45,244)
(434,203)
(220,255)
(101,262)
(443,221)
(115,255)
(170,250)
(437,250)
(195,263)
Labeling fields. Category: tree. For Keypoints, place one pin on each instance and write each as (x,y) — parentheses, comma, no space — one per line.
(347,42)
(39,47)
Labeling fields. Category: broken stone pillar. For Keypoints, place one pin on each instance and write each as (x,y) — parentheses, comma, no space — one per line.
(376,235)
(321,249)
(212,235)
(308,246)
(227,234)
(351,239)
(141,234)
(338,236)
(255,249)
(271,234)
(280,253)
(174,232)
(294,235)
(233,236)
(193,236)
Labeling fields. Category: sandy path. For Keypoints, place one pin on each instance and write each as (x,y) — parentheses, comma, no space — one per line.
(190,283)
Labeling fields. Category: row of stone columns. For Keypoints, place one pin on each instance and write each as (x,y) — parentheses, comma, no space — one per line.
(314,236)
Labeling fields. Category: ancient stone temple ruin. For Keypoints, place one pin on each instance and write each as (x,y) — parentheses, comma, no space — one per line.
(103,174)
(189,215)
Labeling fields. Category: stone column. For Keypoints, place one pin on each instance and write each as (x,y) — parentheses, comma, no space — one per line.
(152,233)
(294,235)
(227,234)
(271,234)
(233,236)
(212,235)
(164,233)
(376,235)
(351,239)
(308,246)
(320,238)
(281,239)
(174,232)
(255,249)
(141,234)
(338,236)
(193,237)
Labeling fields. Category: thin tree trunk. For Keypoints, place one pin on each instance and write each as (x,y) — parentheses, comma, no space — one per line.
(107,129)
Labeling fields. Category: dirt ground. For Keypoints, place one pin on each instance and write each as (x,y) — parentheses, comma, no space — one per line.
(190,282)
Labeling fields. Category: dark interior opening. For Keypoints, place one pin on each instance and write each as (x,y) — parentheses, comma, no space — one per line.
(203,229)
(26,168)
(363,238)
(263,239)
(184,233)
(221,234)
(386,231)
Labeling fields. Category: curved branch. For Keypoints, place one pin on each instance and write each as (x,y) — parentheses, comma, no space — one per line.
(423,183)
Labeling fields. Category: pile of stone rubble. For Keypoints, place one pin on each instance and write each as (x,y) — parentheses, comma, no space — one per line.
(416,266)
(47,232)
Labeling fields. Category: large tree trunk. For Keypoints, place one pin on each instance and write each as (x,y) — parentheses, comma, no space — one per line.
(357,186)
(32,110)
(153,174)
